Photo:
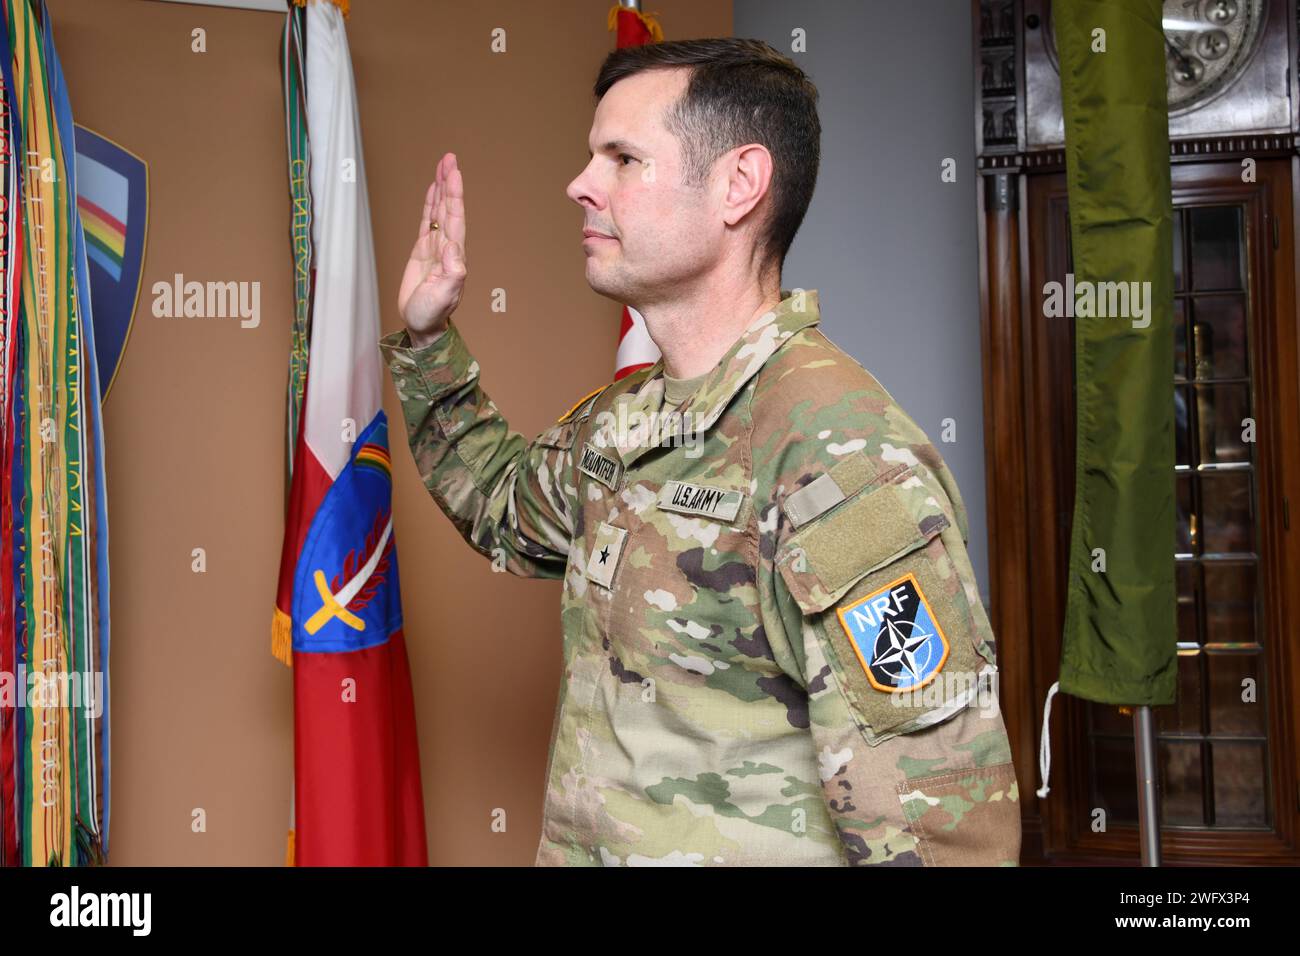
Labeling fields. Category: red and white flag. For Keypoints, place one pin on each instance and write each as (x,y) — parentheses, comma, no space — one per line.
(338,617)
(636,350)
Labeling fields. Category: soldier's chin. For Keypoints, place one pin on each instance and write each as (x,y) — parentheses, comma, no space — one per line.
(602,285)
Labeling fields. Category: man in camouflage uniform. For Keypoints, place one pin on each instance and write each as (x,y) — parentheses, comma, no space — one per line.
(774,648)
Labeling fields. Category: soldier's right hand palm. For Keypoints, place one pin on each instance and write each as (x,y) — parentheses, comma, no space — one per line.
(435,273)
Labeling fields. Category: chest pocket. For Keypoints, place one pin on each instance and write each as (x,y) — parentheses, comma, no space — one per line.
(682,592)
(896,620)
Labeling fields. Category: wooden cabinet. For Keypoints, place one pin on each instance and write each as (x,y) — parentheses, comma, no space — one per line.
(1228,749)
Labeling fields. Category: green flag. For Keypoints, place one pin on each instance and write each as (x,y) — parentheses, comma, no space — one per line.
(1120,624)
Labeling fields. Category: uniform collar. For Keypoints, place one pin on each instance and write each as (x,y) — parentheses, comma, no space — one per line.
(759,342)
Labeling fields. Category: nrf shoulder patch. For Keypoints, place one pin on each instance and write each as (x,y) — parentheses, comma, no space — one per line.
(896,635)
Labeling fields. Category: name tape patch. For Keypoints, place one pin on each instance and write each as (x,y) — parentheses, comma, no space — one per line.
(601,467)
(704,500)
(896,636)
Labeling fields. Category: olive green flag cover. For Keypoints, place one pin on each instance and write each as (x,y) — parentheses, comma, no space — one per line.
(1120,624)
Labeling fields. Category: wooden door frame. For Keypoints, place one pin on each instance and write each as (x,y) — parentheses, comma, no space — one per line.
(1027,582)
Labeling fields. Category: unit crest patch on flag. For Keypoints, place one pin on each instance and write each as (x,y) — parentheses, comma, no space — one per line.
(346,591)
(896,635)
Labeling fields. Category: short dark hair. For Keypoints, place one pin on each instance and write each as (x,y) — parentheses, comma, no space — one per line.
(740,91)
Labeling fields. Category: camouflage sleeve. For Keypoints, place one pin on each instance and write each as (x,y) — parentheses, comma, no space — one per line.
(513,501)
(874,594)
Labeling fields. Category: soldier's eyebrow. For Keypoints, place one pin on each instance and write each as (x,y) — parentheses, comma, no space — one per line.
(615,145)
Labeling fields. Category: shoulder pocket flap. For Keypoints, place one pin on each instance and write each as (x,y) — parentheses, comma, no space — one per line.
(830,554)
(843,480)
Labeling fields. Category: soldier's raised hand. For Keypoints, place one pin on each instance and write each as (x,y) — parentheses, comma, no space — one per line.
(435,273)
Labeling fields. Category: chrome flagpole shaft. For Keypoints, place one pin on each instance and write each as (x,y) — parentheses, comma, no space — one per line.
(1148,786)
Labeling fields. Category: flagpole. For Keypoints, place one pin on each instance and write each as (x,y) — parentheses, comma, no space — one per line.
(1147,784)
(636,349)
(1120,644)
(268,6)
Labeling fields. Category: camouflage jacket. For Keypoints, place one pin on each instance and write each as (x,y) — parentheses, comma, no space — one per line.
(774,648)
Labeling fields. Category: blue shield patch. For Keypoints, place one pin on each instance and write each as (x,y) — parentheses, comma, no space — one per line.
(896,636)
(113,202)
(346,592)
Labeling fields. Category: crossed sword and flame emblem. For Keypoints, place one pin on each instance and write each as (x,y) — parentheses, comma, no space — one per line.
(336,604)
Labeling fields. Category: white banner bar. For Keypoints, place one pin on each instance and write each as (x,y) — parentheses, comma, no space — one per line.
(270,6)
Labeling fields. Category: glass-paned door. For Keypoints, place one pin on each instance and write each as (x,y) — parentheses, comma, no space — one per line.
(1213,742)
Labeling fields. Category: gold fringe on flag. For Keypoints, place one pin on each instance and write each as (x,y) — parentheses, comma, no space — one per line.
(343,5)
(647,19)
(282,638)
(288,853)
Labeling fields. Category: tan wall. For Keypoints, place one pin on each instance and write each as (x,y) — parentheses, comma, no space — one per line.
(201,713)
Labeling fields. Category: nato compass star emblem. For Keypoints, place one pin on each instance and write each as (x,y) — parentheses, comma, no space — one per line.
(895,635)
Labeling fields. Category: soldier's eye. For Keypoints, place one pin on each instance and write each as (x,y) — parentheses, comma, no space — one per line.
(626,156)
